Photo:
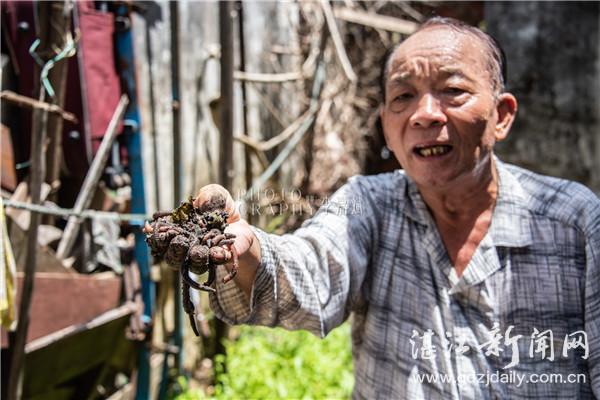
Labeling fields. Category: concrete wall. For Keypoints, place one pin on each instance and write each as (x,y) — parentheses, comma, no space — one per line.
(554,70)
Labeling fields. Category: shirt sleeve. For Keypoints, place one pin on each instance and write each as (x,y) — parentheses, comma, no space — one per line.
(312,278)
(592,294)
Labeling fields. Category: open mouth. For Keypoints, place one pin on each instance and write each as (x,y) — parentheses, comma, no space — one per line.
(433,151)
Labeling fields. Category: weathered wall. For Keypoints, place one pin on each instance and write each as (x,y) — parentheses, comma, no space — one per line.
(554,70)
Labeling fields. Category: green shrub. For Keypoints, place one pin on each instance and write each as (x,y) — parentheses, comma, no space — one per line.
(268,363)
(273,363)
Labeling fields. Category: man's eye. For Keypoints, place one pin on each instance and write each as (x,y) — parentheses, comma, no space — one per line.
(454,91)
(403,97)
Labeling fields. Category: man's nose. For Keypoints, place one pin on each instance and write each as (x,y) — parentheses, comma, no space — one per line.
(428,113)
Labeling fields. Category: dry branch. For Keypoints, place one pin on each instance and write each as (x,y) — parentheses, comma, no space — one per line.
(376,21)
(267,78)
(28,102)
(337,41)
(276,140)
(266,102)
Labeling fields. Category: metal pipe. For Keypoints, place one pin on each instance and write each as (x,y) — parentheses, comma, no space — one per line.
(125,55)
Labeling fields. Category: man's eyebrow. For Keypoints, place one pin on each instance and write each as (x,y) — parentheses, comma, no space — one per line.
(452,71)
(399,78)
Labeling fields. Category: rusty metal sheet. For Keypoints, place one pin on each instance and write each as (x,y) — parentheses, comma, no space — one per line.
(64,299)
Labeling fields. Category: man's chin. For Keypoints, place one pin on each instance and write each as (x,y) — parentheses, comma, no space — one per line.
(433,181)
(451,180)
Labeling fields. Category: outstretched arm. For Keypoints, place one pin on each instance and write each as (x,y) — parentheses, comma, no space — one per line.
(306,280)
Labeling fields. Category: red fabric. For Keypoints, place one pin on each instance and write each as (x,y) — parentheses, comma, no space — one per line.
(102,86)
(75,149)
(14,13)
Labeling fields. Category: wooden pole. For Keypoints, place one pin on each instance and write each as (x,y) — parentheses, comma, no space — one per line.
(226,145)
(59,28)
(177,171)
(151,101)
(38,167)
(247,159)
(226,142)
(91,180)
(37,175)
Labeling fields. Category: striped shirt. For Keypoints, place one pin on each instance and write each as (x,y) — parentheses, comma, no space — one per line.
(524,316)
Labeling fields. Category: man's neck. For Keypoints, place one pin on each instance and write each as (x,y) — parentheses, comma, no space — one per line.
(463,213)
(466,199)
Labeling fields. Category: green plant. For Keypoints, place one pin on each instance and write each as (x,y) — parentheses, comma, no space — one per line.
(266,363)
(273,363)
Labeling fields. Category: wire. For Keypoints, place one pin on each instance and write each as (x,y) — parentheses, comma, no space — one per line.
(68,51)
(132,219)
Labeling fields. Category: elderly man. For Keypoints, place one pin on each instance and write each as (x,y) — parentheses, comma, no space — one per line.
(467,278)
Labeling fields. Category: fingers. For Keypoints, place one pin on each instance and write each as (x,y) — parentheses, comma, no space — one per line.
(148,229)
(243,236)
(216,196)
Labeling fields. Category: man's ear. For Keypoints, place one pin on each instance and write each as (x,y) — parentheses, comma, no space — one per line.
(507,110)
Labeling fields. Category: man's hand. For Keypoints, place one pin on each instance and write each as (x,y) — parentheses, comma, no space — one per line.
(246,244)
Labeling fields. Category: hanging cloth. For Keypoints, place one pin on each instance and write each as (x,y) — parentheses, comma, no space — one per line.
(101,86)
(8,277)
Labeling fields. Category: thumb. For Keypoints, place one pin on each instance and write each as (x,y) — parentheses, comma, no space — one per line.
(213,196)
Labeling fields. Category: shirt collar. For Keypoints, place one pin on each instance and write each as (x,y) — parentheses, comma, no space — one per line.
(510,221)
(414,206)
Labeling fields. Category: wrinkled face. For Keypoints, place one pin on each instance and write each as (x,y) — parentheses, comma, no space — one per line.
(441,116)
